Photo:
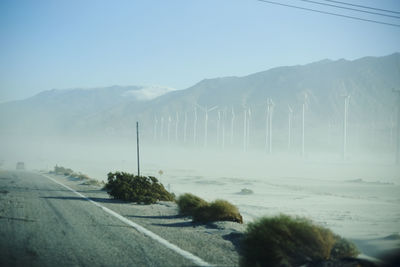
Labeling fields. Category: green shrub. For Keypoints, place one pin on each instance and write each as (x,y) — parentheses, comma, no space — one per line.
(219,210)
(188,204)
(140,189)
(343,249)
(288,241)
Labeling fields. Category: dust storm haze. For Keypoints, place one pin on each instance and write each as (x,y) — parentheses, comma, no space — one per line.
(269,105)
(279,133)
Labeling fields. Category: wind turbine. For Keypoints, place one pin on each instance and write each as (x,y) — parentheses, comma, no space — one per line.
(185,128)
(195,125)
(270,111)
(244,129)
(168,128)
(304,106)
(346,106)
(162,128)
(206,110)
(397,91)
(223,128)
(218,126)
(290,117)
(248,127)
(155,128)
(176,127)
(232,124)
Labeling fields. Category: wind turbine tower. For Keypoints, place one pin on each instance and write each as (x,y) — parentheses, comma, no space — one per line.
(206,110)
(232,124)
(346,106)
(290,117)
(162,128)
(218,126)
(223,128)
(248,127)
(244,129)
(398,127)
(176,127)
(270,113)
(195,125)
(169,128)
(185,128)
(155,128)
(305,104)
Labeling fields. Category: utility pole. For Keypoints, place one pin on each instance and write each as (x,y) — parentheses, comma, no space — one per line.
(346,106)
(398,126)
(137,147)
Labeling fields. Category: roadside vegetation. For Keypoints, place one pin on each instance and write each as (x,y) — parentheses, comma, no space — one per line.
(140,189)
(289,241)
(204,212)
(59,170)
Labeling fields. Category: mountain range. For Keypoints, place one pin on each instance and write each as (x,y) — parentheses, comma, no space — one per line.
(114,110)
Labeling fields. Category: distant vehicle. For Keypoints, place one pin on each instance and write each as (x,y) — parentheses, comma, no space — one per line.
(20,166)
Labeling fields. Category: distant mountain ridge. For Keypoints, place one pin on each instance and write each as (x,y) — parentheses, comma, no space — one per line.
(114,110)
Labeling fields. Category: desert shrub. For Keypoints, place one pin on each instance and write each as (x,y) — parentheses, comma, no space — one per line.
(343,249)
(204,212)
(246,191)
(140,189)
(82,176)
(62,170)
(189,203)
(288,241)
(92,182)
(219,210)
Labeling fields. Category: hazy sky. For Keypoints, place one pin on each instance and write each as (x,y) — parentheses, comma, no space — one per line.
(176,43)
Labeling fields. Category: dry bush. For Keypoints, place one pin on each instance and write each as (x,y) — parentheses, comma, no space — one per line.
(189,203)
(288,241)
(219,210)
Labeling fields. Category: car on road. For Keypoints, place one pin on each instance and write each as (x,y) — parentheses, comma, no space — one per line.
(20,165)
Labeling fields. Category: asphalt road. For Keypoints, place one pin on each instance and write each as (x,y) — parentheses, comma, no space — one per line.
(44,224)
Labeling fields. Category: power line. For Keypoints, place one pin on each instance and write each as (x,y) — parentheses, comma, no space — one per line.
(330,13)
(366,7)
(352,9)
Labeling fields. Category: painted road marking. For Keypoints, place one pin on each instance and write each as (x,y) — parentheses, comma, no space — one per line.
(187,255)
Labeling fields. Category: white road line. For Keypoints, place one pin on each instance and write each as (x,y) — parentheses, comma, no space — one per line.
(187,255)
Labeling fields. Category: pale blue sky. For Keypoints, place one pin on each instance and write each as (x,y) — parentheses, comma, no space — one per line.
(48,44)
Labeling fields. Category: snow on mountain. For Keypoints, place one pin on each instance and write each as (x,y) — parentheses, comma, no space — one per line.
(146,93)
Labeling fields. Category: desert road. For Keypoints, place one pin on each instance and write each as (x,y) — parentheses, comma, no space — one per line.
(43,223)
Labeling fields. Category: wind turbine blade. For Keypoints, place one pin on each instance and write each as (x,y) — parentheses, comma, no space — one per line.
(203,108)
(214,107)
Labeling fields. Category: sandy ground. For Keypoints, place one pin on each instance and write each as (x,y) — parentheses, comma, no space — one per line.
(222,237)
